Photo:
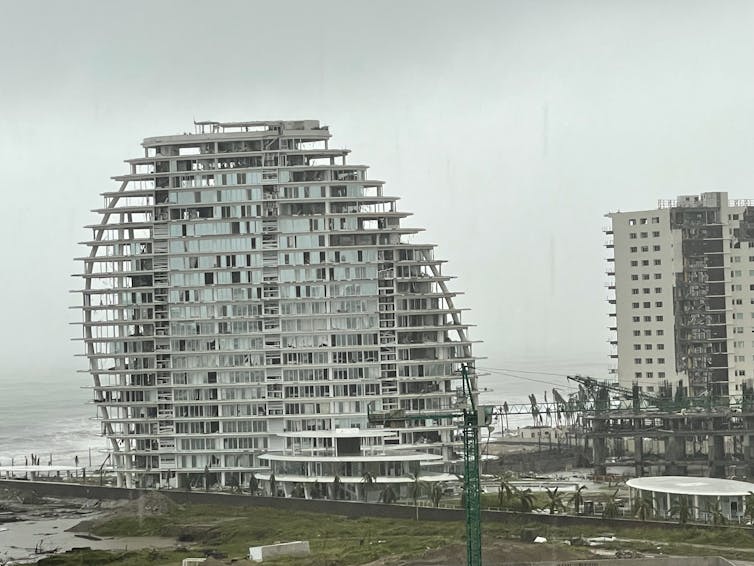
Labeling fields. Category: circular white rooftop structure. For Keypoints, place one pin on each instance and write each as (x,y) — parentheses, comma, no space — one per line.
(683,485)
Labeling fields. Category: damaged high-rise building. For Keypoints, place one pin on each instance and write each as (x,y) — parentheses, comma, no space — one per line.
(249,296)
(682,283)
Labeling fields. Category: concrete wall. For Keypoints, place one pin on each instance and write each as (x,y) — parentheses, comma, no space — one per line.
(343,508)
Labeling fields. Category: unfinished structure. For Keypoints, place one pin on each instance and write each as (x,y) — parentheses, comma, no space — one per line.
(699,436)
(245,284)
(682,282)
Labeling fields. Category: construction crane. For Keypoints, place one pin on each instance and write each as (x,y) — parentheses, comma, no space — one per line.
(469,416)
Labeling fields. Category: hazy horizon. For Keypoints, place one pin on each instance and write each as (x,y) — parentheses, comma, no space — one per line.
(507,128)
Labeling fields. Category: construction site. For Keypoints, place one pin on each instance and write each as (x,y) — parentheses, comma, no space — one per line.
(627,432)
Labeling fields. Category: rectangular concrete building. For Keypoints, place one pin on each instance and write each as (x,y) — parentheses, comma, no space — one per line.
(681,281)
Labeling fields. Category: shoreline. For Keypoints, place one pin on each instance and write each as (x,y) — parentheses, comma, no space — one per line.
(33,527)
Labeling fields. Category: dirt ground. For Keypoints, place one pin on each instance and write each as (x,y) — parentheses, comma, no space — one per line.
(496,552)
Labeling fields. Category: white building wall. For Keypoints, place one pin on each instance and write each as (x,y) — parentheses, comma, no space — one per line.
(647,259)
(646,262)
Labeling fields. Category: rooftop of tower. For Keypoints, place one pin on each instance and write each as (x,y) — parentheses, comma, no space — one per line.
(208,129)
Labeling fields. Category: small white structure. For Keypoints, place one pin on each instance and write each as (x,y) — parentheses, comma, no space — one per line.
(193,561)
(320,456)
(295,548)
(703,495)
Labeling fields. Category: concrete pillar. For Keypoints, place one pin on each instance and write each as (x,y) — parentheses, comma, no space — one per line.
(638,451)
(655,502)
(748,446)
(717,450)
(674,446)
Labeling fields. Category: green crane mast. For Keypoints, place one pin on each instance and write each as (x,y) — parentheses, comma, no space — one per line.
(468,414)
(471,475)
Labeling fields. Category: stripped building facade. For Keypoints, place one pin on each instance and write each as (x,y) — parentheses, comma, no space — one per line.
(245,284)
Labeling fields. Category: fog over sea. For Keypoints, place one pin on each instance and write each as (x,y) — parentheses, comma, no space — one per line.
(51,414)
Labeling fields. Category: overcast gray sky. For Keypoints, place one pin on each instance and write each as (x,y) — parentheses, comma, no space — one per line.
(507,127)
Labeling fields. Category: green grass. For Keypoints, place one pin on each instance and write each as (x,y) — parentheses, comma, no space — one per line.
(342,541)
(105,558)
(334,540)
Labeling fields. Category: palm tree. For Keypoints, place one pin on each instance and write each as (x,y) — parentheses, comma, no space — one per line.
(490,428)
(525,499)
(643,508)
(436,492)
(560,405)
(253,484)
(388,495)
(548,413)
(337,486)
(610,511)
(315,491)
(716,513)
(682,509)
(368,480)
(505,491)
(415,491)
(749,506)
(555,502)
(577,499)
(534,409)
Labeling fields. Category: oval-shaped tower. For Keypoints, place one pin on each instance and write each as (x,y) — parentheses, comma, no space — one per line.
(246,283)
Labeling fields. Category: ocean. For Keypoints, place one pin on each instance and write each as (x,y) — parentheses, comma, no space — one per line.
(48,416)
(52,416)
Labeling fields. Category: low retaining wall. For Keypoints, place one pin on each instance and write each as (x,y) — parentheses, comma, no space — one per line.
(344,508)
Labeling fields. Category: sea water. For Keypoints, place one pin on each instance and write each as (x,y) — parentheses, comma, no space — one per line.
(52,415)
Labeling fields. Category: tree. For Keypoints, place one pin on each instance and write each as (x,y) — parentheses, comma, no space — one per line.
(388,495)
(298,491)
(715,512)
(525,499)
(748,511)
(610,511)
(273,485)
(415,491)
(536,417)
(253,484)
(368,480)
(555,500)
(577,499)
(505,491)
(337,487)
(643,507)
(436,492)
(682,509)
(506,409)
(315,491)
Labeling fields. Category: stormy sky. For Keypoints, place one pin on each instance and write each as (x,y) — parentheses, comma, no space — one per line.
(509,128)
